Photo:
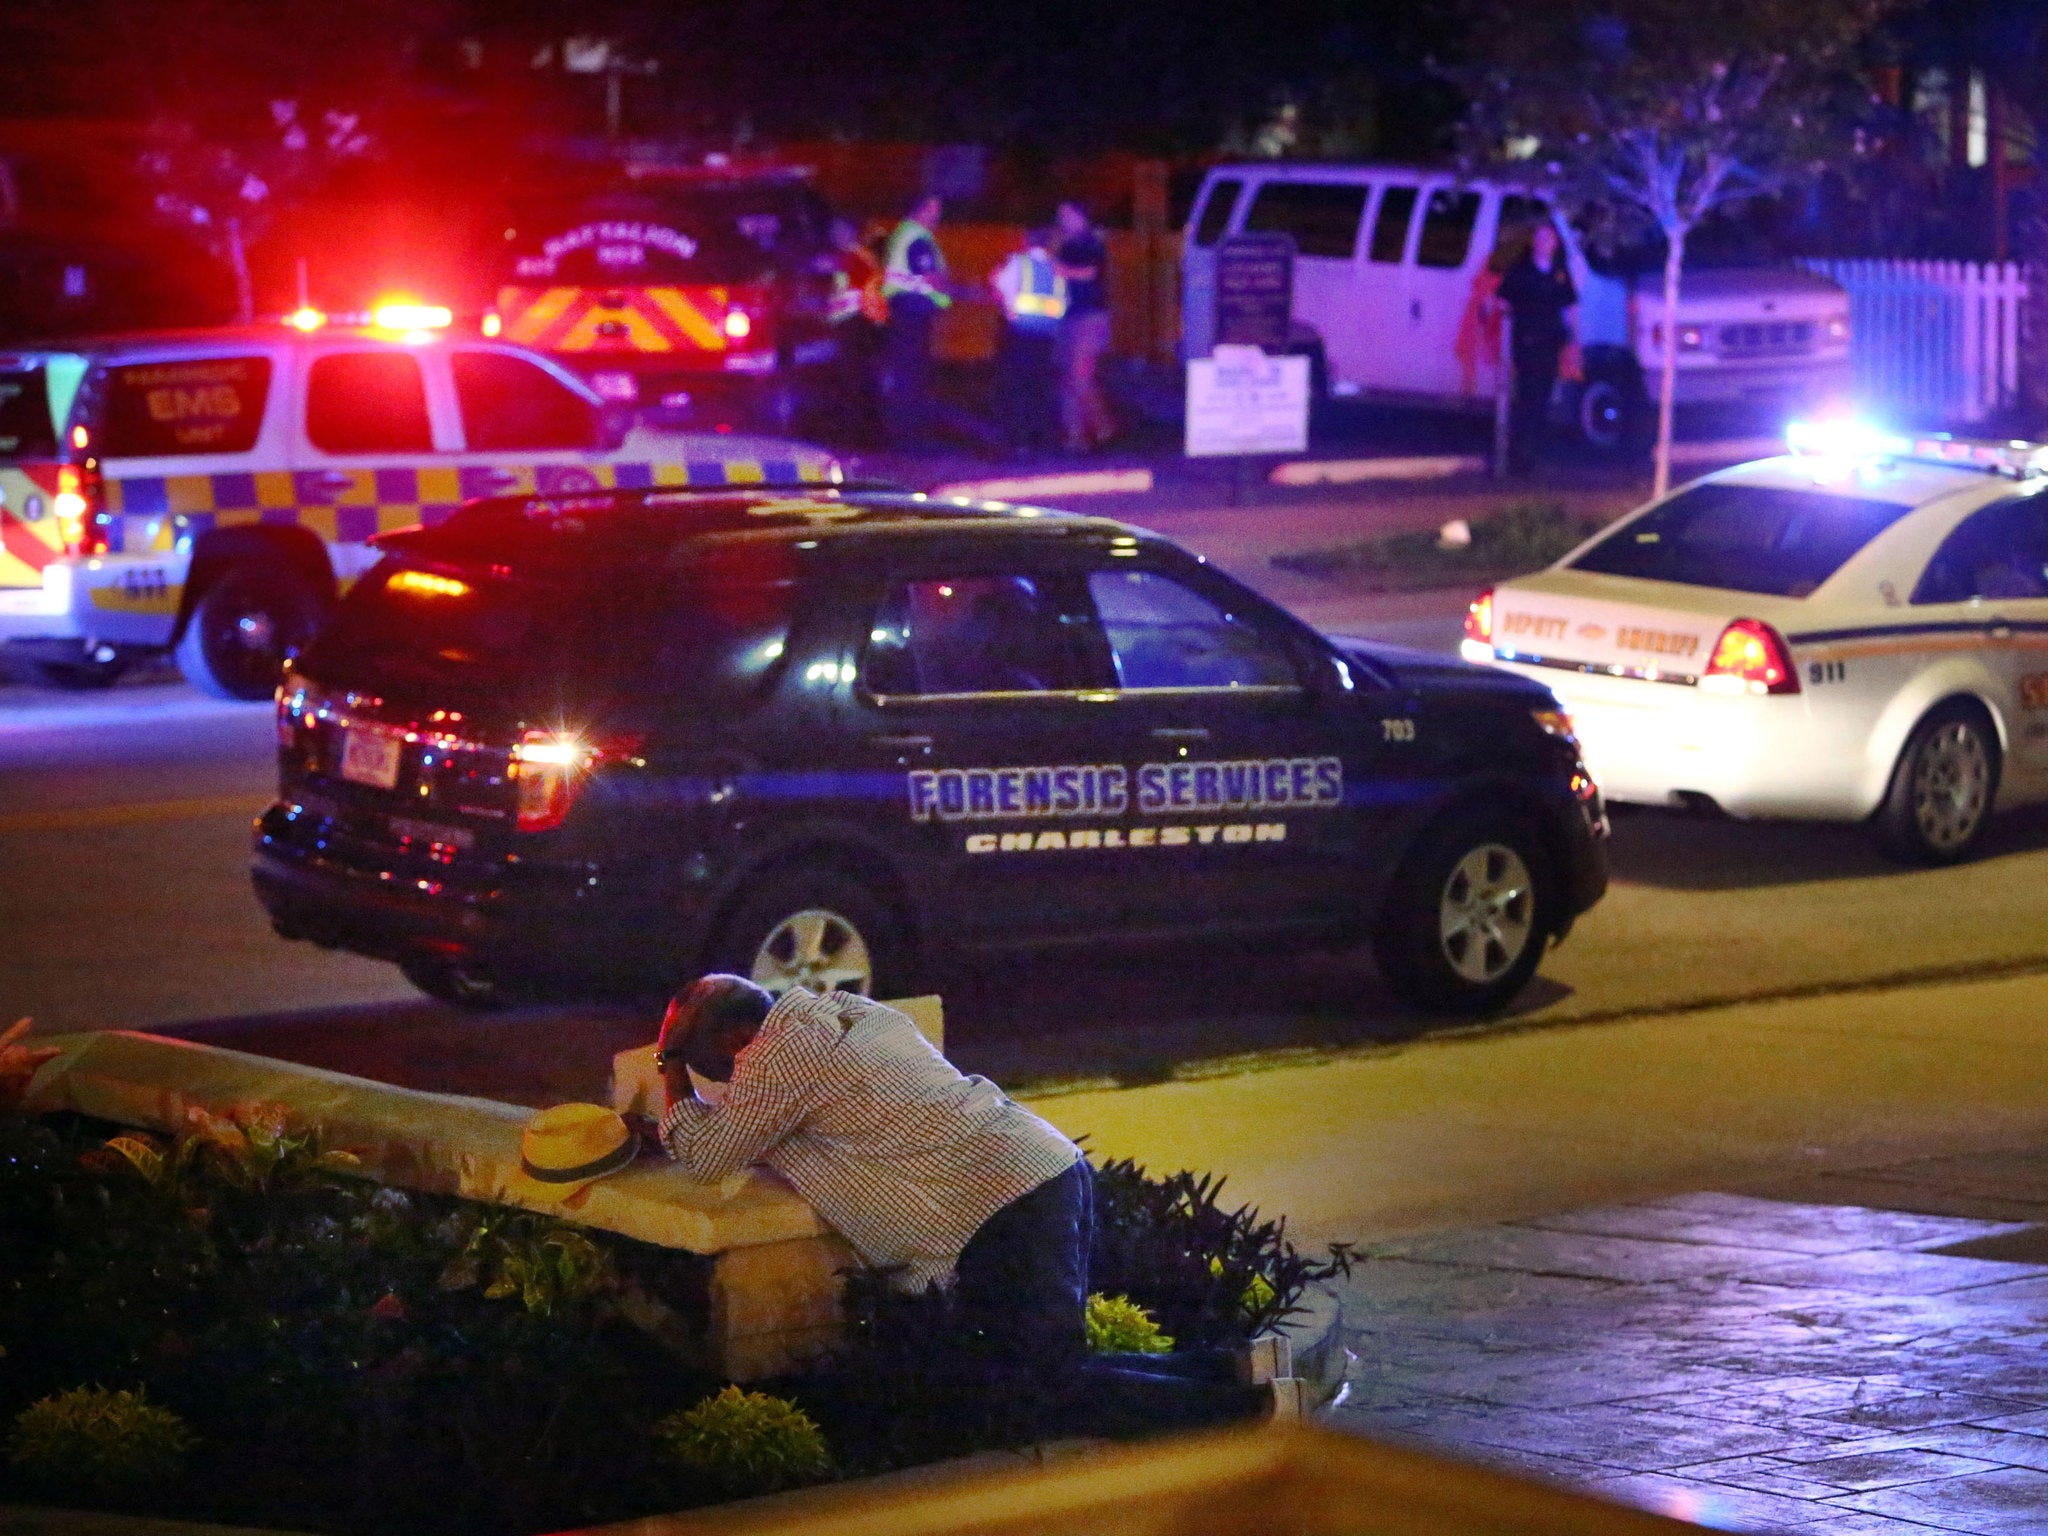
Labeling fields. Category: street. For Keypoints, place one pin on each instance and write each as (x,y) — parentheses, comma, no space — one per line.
(124,901)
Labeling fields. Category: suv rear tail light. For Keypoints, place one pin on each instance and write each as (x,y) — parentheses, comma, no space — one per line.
(80,522)
(550,768)
(1750,657)
(1479,618)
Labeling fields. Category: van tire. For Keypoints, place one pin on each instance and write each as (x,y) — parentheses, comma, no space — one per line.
(246,623)
(1610,411)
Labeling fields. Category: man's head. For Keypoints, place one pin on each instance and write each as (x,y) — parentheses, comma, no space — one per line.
(927,210)
(1543,245)
(1073,218)
(710,1022)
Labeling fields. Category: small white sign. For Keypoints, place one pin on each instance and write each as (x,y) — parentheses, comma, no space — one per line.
(1243,401)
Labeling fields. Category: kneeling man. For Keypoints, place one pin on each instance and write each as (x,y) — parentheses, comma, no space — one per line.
(935,1176)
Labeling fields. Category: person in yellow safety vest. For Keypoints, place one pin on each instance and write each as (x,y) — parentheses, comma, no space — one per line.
(1033,295)
(915,284)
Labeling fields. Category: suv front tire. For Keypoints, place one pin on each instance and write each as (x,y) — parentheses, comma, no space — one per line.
(1467,917)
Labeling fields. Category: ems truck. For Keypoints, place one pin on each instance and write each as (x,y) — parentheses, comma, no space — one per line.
(695,293)
(212,493)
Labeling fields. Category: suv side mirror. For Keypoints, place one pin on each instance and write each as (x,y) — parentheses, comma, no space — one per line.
(614,422)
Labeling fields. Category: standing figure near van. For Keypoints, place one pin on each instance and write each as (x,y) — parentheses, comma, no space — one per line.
(1083,258)
(1540,299)
(914,281)
(1034,300)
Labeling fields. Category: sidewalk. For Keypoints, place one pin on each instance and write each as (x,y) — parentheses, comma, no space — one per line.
(1855,1351)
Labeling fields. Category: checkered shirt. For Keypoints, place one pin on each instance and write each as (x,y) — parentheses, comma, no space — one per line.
(894,1148)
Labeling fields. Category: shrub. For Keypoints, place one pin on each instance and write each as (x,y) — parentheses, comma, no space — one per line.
(1117,1325)
(92,1440)
(746,1443)
(1520,538)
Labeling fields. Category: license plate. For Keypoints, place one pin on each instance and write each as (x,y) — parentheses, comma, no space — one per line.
(432,833)
(370,758)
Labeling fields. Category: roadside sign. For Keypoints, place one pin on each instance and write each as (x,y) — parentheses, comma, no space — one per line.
(1255,291)
(1242,401)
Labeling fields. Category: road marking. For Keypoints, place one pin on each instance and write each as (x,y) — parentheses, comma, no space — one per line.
(84,817)
(1091,482)
(1352,471)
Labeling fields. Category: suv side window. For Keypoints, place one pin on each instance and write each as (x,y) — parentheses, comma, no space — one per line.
(1390,228)
(1447,228)
(2000,551)
(1321,216)
(367,402)
(509,404)
(205,405)
(1163,635)
(1217,210)
(981,634)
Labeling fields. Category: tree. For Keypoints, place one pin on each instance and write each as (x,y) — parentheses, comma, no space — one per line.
(1649,115)
(224,194)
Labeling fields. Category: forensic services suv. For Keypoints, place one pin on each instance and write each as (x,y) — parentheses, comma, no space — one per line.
(827,737)
(1855,631)
(210,493)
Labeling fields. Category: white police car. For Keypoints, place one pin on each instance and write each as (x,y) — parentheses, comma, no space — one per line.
(1855,630)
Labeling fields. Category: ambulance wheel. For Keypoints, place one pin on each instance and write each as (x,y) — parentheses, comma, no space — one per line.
(822,931)
(1943,787)
(243,627)
(452,982)
(1467,916)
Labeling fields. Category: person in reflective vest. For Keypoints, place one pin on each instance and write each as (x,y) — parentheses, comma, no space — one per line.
(915,284)
(1033,295)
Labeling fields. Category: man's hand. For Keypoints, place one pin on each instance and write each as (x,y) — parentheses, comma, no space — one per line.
(18,1064)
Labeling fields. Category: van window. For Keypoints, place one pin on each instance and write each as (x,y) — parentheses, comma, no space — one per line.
(27,429)
(1447,228)
(367,402)
(207,405)
(1390,229)
(1323,217)
(510,404)
(1217,210)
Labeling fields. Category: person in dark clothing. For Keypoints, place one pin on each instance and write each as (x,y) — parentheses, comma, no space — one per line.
(1540,300)
(915,283)
(1083,259)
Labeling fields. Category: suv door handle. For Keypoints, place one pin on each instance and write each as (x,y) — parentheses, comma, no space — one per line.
(1180,733)
(902,743)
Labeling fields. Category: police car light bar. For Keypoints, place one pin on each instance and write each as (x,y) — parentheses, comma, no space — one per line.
(1838,444)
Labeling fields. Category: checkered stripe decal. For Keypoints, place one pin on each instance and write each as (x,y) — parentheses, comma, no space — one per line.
(347,506)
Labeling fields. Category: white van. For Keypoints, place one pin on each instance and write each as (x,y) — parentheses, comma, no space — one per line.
(1392,270)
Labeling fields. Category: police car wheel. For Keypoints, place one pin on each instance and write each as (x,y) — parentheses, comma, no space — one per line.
(822,932)
(241,630)
(450,981)
(1942,789)
(1467,917)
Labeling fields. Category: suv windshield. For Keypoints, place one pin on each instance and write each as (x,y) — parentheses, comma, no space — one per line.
(1744,538)
(695,235)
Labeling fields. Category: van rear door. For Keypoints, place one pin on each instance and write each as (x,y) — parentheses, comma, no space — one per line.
(1442,299)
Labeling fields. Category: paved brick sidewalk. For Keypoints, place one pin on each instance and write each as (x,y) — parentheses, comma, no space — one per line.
(1855,1352)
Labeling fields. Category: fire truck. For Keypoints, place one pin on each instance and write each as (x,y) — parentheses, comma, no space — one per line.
(695,293)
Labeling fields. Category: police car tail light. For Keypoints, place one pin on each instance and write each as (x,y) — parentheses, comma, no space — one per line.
(1479,618)
(1750,657)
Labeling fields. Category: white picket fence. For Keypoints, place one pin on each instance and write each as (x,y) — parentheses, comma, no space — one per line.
(1934,342)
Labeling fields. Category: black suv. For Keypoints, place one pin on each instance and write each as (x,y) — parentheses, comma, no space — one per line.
(829,737)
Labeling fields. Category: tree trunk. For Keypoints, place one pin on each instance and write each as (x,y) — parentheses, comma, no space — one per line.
(238,261)
(1674,259)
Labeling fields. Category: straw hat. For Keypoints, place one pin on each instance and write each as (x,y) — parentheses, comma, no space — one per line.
(565,1150)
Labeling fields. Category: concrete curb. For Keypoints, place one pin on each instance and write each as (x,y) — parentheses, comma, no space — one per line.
(1355,471)
(1080,482)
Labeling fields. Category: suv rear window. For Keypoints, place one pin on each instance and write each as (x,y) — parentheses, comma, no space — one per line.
(1744,538)
(26,428)
(206,405)
(703,644)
